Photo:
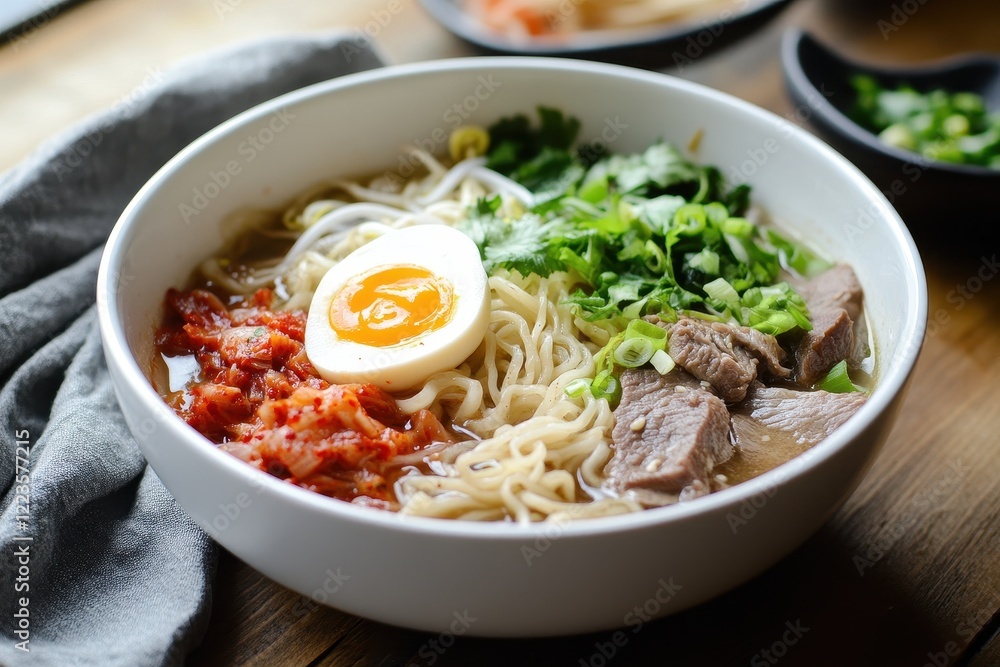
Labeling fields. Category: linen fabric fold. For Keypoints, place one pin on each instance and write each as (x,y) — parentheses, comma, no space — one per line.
(98,564)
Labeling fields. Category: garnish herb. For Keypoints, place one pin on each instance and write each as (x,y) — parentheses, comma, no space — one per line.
(648,233)
(837,381)
(940,125)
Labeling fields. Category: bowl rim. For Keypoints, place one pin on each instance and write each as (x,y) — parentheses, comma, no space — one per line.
(840,123)
(136,383)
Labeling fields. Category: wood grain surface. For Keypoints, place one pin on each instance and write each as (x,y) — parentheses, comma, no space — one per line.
(906,573)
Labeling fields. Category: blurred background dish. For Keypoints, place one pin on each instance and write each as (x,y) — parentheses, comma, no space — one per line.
(19,16)
(651,33)
(819,78)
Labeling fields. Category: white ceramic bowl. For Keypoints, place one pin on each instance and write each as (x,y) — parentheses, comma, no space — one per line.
(513,580)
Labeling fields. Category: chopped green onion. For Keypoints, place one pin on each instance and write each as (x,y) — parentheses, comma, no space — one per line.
(604,359)
(578,387)
(717,213)
(640,234)
(634,352)
(634,309)
(934,124)
(898,135)
(837,381)
(594,192)
(690,219)
(736,247)
(721,289)
(706,261)
(955,125)
(969,103)
(655,259)
(662,362)
(740,227)
(646,330)
(797,257)
(606,385)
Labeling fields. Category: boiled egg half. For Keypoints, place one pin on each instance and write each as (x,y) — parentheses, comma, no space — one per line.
(395,311)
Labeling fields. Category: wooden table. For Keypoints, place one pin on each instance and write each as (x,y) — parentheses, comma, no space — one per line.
(907,573)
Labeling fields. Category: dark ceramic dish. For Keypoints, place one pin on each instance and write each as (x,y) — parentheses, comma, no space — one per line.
(818,80)
(674,43)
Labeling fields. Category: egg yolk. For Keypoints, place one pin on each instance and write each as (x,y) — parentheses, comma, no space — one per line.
(390,305)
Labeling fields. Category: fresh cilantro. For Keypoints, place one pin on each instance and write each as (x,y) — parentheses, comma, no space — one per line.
(538,158)
(527,244)
(645,233)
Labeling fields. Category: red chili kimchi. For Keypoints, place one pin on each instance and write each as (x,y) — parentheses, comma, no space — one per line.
(258,397)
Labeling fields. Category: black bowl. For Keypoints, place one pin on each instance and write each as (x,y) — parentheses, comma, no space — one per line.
(922,190)
(676,43)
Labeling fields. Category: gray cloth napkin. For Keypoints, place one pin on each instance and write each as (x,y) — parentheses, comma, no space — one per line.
(98,564)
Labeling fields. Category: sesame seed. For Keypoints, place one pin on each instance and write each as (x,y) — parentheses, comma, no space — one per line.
(653,465)
(638,424)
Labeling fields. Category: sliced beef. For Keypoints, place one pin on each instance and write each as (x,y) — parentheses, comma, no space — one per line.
(860,351)
(725,356)
(807,417)
(835,288)
(834,299)
(830,341)
(670,433)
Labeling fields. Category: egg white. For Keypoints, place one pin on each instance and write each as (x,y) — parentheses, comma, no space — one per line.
(446,253)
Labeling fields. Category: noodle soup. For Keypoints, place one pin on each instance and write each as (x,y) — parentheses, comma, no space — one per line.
(527,330)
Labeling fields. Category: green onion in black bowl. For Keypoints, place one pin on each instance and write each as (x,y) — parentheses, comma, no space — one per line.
(940,125)
(851,112)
